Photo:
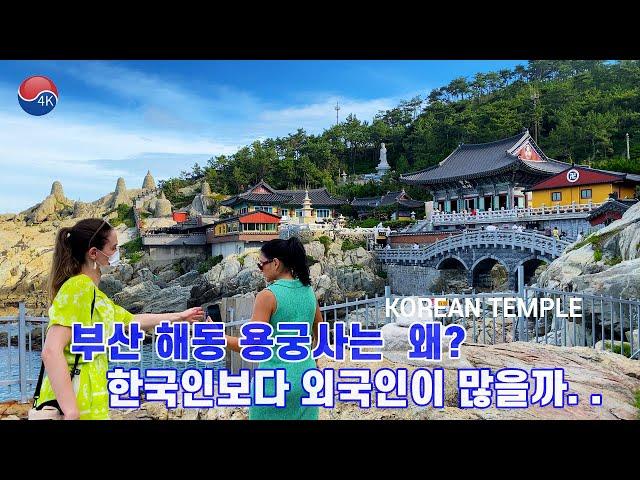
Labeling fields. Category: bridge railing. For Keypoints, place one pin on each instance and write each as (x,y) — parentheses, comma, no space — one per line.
(535,242)
(529,213)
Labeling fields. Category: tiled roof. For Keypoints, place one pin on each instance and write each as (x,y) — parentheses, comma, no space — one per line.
(318,196)
(587,176)
(365,202)
(481,159)
(611,206)
(260,216)
(411,203)
(390,198)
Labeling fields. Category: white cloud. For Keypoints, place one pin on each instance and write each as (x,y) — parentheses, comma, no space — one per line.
(315,117)
(162,125)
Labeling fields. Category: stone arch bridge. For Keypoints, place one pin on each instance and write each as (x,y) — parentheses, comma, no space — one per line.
(477,252)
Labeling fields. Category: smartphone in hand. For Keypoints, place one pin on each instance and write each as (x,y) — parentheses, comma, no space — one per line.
(213,311)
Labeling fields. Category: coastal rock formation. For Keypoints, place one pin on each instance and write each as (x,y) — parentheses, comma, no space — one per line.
(206,188)
(83,210)
(587,372)
(120,195)
(148,183)
(25,260)
(53,207)
(162,207)
(204,202)
(606,262)
(149,297)
(335,275)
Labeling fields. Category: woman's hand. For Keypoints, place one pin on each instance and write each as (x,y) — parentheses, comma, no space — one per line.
(194,314)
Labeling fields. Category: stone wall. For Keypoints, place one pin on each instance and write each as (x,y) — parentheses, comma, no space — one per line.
(571,225)
(411,280)
(159,256)
(424,238)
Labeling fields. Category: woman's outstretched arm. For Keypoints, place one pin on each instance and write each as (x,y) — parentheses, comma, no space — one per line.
(150,320)
(58,337)
(263,308)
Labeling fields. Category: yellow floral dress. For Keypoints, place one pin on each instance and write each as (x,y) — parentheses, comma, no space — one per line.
(73,304)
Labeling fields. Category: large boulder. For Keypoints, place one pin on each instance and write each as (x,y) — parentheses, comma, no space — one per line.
(249,280)
(171,299)
(110,285)
(162,207)
(143,275)
(135,298)
(123,272)
(561,273)
(229,267)
(315,250)
(586,370)
(189,279)
(610,253)
(396,333)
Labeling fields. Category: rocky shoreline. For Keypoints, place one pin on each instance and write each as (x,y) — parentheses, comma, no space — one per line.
(586,370)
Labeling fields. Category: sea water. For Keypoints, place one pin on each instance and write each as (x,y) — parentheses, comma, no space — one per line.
(9,368)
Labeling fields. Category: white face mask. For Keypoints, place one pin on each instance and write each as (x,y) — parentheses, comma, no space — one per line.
(114,260)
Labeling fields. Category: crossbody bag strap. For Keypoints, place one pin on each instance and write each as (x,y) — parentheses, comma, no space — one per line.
(74,371)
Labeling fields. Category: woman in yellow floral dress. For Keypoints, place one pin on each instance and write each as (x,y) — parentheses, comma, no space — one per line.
(79,254)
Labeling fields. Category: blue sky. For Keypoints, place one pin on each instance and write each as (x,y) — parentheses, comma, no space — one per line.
(120,118)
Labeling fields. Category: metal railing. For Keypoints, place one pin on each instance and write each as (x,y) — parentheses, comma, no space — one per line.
(604,324)
(19,370)
(288,230)
(17,366)
(525,240)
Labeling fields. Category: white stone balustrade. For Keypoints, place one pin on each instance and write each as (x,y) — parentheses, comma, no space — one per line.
(535,242)
(514,214)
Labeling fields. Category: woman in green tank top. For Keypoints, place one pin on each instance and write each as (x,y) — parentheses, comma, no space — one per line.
(288,298)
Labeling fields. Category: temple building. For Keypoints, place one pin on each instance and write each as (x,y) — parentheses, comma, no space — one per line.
(243,232)
(584,185)
(405,206)
(486,176)
(511,183)
(610,211)
(315,205)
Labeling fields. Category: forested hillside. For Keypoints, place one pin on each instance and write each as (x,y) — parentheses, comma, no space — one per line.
(578,110)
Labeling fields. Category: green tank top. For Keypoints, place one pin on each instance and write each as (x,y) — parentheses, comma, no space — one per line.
(295,302)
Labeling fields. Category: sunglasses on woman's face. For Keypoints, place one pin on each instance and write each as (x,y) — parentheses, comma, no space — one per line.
(262,264)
